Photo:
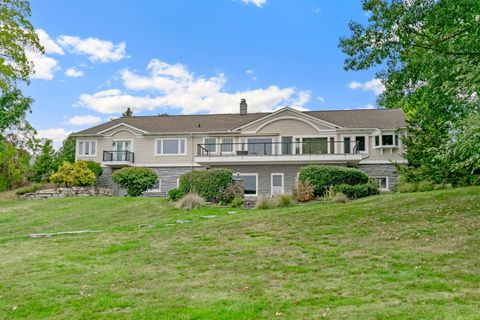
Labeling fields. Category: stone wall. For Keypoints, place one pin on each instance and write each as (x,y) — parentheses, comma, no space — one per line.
(382,170)
(68,192)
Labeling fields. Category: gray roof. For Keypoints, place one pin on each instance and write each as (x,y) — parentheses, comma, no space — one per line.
(375,118)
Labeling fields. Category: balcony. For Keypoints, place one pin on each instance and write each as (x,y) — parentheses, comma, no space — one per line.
(311,150)
(118,158)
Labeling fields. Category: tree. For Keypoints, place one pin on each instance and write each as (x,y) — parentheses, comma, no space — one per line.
(45,164)
(127,113)
(16,35)
(429,55)
(13,107)
(14,165)
(66,151)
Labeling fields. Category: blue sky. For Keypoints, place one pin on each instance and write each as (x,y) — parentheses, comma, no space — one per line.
(187,56)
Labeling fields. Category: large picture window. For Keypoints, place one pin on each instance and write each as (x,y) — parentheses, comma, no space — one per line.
(360,143)
(87,148)
(260,146)
(171,147)
(250,182)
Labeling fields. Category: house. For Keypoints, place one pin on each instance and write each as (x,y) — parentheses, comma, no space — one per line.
(266,150)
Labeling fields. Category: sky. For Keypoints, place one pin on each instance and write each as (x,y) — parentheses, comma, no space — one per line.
(190,56)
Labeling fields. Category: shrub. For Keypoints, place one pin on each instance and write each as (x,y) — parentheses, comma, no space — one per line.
(425,186)
(191,201)
(237,203)
(405,187)
(265,203)
(77,174)
(94,166)
(135,179)
(340,197)
(228,193)
(329,193)
(29,189)
(357,191)
(284,200)
(323,176)
(175,194)
(207,183)
(304,191)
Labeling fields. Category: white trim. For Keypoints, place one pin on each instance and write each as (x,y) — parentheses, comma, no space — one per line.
(131,143)
(334,126)
(77,148)
(161,154)
(122,124)
(392,162)
(215,144)
(233,145)
(271,182)
(256,182)
(387,182)
(282,159)
(288,118)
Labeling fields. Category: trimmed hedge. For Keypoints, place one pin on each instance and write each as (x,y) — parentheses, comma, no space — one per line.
(324,176)
(207,183)
(135,179)
(357,191)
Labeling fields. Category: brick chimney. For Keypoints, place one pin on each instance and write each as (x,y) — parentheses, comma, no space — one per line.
(243,106)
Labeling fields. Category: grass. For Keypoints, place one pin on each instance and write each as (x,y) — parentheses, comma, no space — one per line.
(395,256)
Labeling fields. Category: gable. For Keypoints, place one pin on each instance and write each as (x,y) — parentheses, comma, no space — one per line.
(288,119)
(122,129)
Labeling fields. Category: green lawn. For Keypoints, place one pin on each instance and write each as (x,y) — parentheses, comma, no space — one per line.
(395,256)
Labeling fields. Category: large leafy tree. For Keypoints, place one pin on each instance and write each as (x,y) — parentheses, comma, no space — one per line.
(427,53)
(17,36)
(66,151)
(45,163)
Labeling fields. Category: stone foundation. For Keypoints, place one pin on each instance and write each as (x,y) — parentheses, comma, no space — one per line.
(68,192)
(382,170)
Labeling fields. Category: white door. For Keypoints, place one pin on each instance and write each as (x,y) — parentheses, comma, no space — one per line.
(277,184)
(121,146)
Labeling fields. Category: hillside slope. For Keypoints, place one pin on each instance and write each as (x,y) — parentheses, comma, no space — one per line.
(397,256)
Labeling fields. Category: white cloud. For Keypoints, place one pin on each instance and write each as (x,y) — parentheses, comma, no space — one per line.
(55,134)
(74,73)
(375,85)
(43,66)
(250,72)
(97,50)
(84,120)
(174,86)
(370,106)
(321,99)
(49,45)
(258,3)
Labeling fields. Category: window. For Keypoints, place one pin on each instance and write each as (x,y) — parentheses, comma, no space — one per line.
(157,187)
(396,140)
(360,143)
(287,145)
(170,147)
(260,146)
(227,145)
(387,140)
(377,141)
(315,145)
(346,145)
(382,182)
(210,144)
(87,148)
(249,183)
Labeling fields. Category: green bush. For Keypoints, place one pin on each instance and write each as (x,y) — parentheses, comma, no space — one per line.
(303,191)
(237,203)
(284,200)
(357,191)
(94,166)
(404,187)
(135,179)
(323,176)
(425,186)
(175,194)
(207,183)
(191,201)
(76,174)
(29,189)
